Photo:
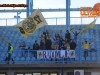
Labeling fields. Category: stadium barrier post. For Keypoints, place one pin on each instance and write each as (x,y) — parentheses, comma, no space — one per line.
(6,22)
(80,56)
(56,21)
(28,56)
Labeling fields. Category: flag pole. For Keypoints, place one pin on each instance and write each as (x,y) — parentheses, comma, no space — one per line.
(93,30)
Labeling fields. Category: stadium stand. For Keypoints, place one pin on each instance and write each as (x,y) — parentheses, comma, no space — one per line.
(13,35)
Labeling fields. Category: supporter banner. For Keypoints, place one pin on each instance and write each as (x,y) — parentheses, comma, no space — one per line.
(33,22)
(56,54)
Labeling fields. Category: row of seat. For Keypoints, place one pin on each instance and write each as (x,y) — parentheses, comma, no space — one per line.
(12,34)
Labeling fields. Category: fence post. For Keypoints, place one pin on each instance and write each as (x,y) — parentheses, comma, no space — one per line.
(6,22)
(56,21)
(28,56)
(80,56)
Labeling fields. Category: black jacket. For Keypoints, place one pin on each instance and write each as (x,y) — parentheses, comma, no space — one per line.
(48,44)
(45,34)
(72,45)
(35,46)
(68,36)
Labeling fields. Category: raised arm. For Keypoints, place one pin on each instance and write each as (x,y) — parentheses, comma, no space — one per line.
(73,32)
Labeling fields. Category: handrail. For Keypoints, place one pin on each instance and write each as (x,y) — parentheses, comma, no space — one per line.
(45,56)
(51,21)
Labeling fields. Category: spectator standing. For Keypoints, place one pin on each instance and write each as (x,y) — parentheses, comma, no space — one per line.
(48,43)
(86,46)
(75,35)
(42,44)
(22,46)
(72,45)
(35,47)
(61,34)
(55,46)
(57,36)
(63,46)
(59,42)
(68,36)
(46,33)
(10,51)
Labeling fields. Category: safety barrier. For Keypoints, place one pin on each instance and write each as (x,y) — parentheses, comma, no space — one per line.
(45,56)
(51,21)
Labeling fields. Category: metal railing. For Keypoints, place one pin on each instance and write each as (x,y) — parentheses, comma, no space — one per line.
(51,21)
(46,56)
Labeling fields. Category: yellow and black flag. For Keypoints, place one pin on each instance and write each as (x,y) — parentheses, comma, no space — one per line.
(91,25)
(31,24)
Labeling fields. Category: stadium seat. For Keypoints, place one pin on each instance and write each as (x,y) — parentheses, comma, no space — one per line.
(16,38)
(82,58)
(93,58)
(77,58)
(33,58)
(17,58)
(88,58)
(27,58)
(1,59)
(22,59)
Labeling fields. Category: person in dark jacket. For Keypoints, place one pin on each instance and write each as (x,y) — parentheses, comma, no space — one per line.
(57,36)
(67,36)
(48,43)
(72,45)
(75,35)
(42,44)
(23,45)
(63,47)
(46,33)
(35,47)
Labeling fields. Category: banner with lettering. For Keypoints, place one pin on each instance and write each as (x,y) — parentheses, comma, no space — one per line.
(56,54)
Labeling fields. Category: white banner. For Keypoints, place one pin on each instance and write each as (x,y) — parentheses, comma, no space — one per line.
(56,54)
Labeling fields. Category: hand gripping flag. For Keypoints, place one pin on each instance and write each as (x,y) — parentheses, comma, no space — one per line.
(91,25)
(29,25)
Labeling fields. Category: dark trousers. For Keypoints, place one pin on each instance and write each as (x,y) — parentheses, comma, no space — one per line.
(9,58)
(85,54)
(35,54)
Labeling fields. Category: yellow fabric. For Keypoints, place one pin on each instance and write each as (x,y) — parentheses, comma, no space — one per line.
(11,48)
(10,52)
(3,39)
(86,46)
(91,25)
(28,26)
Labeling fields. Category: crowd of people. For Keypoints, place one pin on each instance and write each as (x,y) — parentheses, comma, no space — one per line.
(60,42)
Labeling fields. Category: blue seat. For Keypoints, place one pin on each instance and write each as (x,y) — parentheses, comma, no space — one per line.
(27,58)
(1,58)
(22,59)
(33,58)
(77,58)
(17,58)
(82,58)
(93,58)
(88,58)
